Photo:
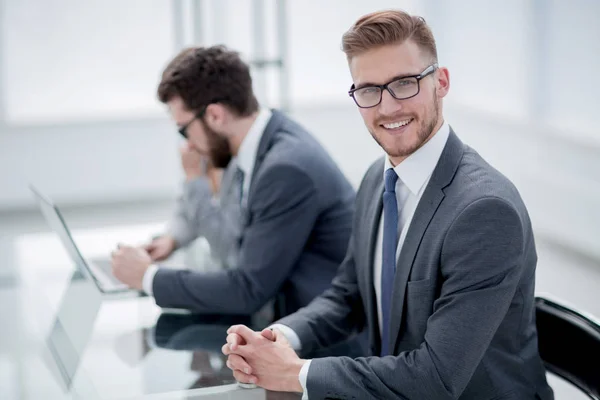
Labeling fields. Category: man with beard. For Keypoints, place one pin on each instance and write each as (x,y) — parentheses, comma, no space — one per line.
(441,265)
(295,205)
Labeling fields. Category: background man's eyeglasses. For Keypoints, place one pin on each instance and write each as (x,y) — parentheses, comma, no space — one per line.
(183,130)
(400,88)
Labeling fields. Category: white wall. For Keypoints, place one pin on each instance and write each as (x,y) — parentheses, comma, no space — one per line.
(80,117)
(81,120)
(89,163)
(67,60)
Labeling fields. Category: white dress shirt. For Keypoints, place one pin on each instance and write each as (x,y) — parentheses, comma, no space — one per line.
(245,159)
(413,176)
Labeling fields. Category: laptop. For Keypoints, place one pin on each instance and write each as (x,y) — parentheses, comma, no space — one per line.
(99,270)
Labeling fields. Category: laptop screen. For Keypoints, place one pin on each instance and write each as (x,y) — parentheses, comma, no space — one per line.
(57,224)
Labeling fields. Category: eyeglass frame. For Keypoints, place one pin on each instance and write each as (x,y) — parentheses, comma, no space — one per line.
(183,130)
(426,72)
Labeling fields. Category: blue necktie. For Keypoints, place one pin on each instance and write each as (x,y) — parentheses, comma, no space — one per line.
(388,265)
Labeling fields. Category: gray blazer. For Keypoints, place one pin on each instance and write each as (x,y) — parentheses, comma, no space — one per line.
(295,232)
(463,315)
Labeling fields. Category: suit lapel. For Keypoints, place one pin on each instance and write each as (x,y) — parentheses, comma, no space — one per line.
(429,203)
(432,197)
(266,141)
(372,227)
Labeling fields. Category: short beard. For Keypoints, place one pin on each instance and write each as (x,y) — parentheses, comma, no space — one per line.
(422,135)
(219,150)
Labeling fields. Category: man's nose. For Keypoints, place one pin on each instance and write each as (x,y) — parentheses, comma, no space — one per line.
(389,105)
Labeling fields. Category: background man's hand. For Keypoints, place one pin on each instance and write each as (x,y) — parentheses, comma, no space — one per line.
(161,247)
(214,176)
(256,358)
(129,264)
(195,165)
(192,162)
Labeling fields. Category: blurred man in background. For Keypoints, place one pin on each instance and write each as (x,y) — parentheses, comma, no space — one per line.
(293,205)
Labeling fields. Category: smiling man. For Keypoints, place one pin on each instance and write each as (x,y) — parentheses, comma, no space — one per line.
(441,264)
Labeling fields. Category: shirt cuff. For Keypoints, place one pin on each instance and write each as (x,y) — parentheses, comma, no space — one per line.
(302,377)
(290,335)
(148,279)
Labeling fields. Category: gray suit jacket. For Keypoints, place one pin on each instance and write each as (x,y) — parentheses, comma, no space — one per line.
(463,314)
(295,232)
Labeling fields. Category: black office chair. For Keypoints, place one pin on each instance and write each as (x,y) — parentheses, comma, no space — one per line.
(569,345)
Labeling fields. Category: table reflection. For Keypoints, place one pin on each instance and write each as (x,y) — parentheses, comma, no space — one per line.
(204,335)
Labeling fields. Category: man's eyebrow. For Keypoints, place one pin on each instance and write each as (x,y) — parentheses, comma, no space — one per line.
(362,85)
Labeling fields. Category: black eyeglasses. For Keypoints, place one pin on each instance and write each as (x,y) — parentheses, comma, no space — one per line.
(183,130)
(400,88)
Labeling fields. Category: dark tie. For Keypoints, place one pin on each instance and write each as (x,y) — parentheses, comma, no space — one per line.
(388,265)
(238,185)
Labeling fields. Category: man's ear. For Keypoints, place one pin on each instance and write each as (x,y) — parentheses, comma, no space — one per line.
(215,114)
(442,86)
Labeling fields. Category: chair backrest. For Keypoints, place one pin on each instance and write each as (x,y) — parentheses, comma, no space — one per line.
(569,344)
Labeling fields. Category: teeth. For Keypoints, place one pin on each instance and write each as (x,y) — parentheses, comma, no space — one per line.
(397,124)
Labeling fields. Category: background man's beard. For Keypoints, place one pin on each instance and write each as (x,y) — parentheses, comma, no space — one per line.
(220,156)
(218,149)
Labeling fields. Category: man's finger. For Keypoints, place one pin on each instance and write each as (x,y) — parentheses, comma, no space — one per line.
(116,272)
(243,351)
(244,378)
(236,362)
(280,337)
(225,349)
(268,334)
(122,246)
(246,333)
(234,341)
(149,247)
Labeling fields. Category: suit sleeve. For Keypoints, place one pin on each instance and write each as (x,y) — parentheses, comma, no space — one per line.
(283,208)
(481,267)
(334,315)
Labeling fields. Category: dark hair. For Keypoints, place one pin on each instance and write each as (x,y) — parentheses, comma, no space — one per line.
(387,27)
(204,75)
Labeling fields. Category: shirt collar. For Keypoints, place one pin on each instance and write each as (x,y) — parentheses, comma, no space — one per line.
(246,156)
(416,169)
